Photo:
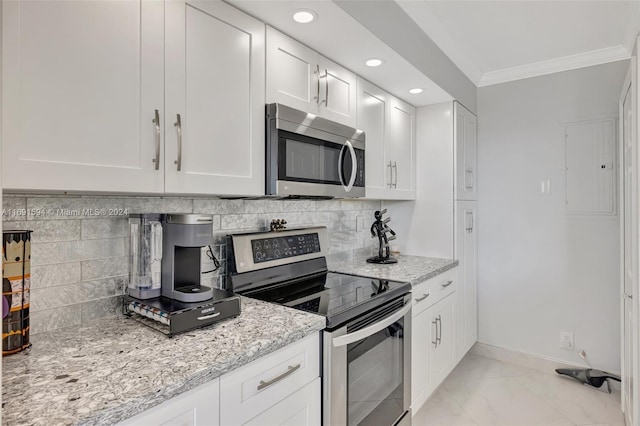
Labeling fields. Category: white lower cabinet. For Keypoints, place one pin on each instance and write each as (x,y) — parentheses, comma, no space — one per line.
(254,388)
(301,408)
(199,406)
(433,334)
(467,297)
(282,388)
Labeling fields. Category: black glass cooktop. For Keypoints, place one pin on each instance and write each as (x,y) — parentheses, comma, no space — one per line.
(338,297)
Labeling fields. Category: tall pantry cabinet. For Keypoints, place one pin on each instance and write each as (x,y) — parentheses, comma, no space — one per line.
(465,128)
(442,222)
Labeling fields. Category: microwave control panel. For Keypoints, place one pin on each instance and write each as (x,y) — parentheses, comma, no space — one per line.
(274,248)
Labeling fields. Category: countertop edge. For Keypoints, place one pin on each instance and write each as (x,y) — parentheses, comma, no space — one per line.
(132,408)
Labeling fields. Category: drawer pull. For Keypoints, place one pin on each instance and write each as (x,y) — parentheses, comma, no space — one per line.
(206,317)
(290,370)
(447,284)
(424,296)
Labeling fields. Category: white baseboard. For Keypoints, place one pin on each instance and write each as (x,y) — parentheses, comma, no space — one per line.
(528,360)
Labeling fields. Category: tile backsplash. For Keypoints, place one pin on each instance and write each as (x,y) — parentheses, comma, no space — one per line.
(80,243)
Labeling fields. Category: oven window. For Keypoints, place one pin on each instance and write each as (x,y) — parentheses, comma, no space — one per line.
(376,378)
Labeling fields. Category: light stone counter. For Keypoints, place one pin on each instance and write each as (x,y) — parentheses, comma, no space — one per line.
(117,368)
(412,269)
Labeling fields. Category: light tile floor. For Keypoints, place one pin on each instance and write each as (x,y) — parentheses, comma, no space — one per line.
(483,391)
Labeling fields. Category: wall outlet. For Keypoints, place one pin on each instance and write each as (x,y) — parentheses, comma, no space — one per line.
(566,340)
(360,223)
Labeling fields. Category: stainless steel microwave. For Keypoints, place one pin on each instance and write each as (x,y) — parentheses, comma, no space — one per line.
(311,156)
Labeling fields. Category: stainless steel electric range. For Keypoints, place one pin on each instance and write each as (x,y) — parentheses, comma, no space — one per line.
(366,344)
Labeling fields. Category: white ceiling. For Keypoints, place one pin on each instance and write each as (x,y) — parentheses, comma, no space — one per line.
(336,35)
(498,41)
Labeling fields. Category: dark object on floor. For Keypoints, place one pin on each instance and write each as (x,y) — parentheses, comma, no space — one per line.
(590,377)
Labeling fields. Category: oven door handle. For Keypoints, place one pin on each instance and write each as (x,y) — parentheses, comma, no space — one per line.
(372,329)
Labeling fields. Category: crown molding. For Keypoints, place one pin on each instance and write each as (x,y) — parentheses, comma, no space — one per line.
(566,63)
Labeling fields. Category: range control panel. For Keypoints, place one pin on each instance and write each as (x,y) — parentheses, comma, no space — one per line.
(274,248)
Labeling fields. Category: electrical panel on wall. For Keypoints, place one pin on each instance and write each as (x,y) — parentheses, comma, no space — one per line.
(590,160)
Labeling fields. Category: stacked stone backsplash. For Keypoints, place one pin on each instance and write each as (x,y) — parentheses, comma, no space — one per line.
(80,244)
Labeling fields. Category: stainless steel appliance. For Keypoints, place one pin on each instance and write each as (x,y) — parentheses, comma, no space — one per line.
(184,235)
(309,155)
(165,274)
(366,344)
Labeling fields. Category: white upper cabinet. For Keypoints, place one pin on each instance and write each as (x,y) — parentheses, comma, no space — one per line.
(301,78)
(117,96)
(389,127)
(465,130)
(292,73)
(214,100)
(400,148)
(373,106)
(82,82)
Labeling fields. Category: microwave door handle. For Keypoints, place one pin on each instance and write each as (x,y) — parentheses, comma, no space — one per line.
(354,166)
(340,157)
(372,329)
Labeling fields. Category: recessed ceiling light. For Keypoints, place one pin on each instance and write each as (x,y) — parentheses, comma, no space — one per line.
(304,16)
(373,62)
(415,91)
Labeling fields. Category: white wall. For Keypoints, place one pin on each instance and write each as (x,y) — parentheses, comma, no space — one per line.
(540,270)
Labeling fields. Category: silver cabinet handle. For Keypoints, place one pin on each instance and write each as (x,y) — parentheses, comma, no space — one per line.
(268,383)
(326,89)
(390,174)
(156,121)
(435,342)
(424,296)
(395,182)
(439,330)
(317,71)
(178,125)
(471,214)
(446,284)
(470,180)
(469,226)
(206,317)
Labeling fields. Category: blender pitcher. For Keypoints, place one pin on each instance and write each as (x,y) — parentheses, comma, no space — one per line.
(145,261)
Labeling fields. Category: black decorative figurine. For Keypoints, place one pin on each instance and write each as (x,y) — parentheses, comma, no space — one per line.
(380,229)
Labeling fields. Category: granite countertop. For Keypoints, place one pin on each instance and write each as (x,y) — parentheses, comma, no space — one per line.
(116,368)
(412,269)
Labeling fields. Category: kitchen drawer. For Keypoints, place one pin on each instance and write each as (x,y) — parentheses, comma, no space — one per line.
(301,408)
(433,290)
(254,388)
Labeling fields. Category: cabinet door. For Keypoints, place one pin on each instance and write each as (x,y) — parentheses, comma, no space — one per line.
(467,297)
(465,133)
(443,327)
(81,84)
(400,149)
(215,99)
(199,406)
(372,118)
(292,73)
(422,335)
(301,408)
(337,93)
